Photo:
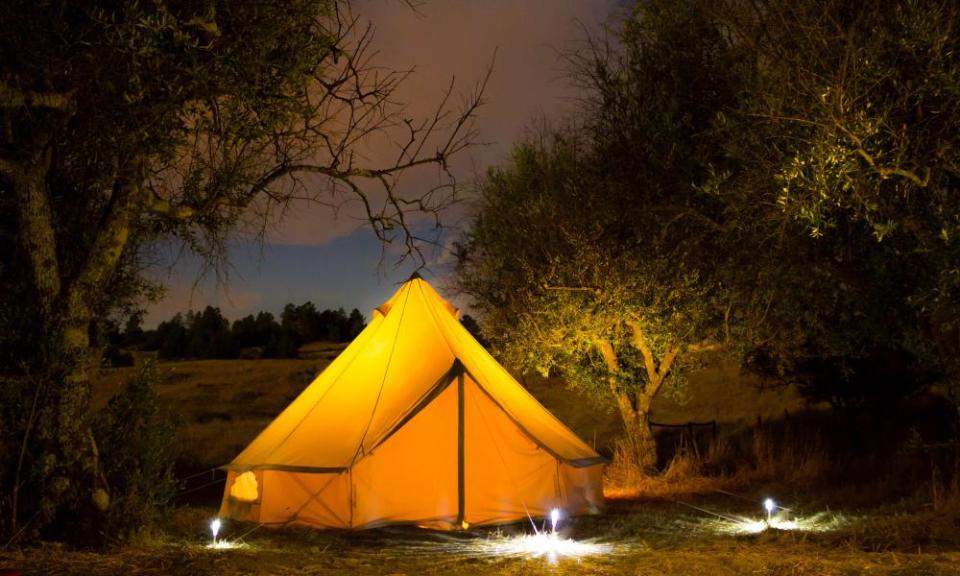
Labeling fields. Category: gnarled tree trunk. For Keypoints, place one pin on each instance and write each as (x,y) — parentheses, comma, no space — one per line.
(637,450)
(69,470)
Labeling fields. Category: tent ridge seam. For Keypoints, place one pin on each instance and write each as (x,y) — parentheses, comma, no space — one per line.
(383,381)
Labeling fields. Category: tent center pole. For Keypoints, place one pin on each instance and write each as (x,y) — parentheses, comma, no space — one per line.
(461,489)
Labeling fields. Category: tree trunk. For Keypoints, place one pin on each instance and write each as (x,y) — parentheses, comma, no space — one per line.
(68,466)
(637,450)
(71,467)
(639,445)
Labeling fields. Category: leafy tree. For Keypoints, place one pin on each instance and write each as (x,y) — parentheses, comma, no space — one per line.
(806,129)
(568,283)
(596,252)
(302,323)
(130,121)
(848,128)
(137,440)
(210,335)
(473,327)
(133,329)
(771,177)
(244,332)
(172,338)
(355,324)
(332,325)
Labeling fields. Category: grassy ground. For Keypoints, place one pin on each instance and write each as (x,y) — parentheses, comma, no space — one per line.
(678,523)
(638,538)
(221,405)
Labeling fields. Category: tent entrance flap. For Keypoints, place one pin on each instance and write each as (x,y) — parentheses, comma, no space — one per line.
(576,463)
(438,387)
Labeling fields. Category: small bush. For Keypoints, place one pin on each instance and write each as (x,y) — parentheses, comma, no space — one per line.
(135,439)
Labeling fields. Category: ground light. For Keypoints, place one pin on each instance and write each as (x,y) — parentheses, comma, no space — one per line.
(541,545)
(783,520)
(221,544)
(769,505)
(735,524)
(215,528)
(822,522)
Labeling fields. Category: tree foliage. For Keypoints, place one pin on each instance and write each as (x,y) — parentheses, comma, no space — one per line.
(567,282)
(126,122)
(136,438)
(207,334)
(850,126)
(774,179)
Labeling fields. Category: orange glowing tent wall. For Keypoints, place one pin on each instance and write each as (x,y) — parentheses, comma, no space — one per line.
(413,423)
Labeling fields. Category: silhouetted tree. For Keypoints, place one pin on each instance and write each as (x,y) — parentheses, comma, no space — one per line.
(210,335)
(130,121)
(355,324)
(172,338)
(473,327)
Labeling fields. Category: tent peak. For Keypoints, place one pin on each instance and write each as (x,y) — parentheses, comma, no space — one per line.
(409,285)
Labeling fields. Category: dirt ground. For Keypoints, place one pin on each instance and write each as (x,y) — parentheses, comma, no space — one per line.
(696,536)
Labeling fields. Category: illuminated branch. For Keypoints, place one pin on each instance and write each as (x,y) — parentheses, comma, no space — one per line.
(886,172)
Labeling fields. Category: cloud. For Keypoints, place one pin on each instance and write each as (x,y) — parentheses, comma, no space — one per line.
(457,39)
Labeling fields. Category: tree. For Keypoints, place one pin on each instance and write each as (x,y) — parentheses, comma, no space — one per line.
(133,329)
(302,323)
(210,335)
(567,283)
(173,338)
(355,324)
(124,122)
(473,327)
(849,127)
(806,128)
(603,250)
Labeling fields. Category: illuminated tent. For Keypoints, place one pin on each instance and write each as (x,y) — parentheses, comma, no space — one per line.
(413,423)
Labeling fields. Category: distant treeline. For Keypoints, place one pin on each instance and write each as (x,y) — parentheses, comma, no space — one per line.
(208,334)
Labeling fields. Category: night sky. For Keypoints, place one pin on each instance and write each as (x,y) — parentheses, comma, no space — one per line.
(335,261)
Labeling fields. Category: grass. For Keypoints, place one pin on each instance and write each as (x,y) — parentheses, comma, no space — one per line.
(640,538)
(221,405)
(685,520)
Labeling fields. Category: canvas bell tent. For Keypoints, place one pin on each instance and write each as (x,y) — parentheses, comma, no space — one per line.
(413,423)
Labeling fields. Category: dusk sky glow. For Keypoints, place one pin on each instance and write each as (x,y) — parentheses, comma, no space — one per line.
(334,261)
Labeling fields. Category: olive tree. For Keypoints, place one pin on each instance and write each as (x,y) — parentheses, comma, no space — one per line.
(568,280)
(850,127)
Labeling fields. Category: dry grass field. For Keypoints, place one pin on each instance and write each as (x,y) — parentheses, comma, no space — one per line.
(681,522)
(221,405)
